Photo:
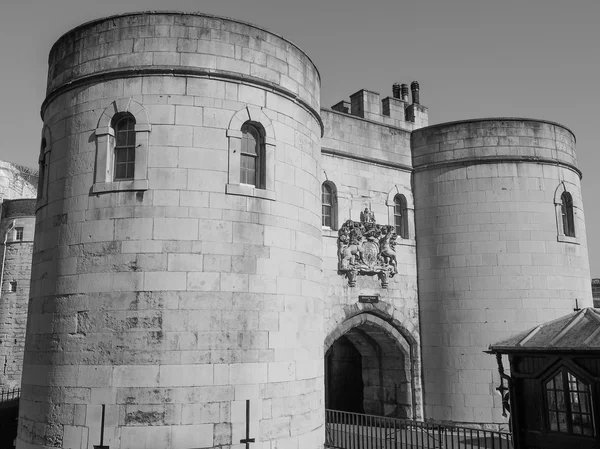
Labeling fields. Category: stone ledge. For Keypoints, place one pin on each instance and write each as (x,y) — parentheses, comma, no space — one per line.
(567,239)
(120,186)
(249,190)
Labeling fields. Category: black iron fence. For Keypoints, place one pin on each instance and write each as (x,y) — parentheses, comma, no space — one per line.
(346,430)
(8,395)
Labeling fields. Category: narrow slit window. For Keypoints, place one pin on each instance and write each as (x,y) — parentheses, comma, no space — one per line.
(400,216)
(42,169)
(124,148)
(327,206)
(12,286)
(568,221)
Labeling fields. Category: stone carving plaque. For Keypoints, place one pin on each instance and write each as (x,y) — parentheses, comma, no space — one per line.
(367,248)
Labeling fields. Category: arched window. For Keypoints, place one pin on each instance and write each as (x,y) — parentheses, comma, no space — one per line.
(124,154)
(568,404)
(252,156)
(566,210)
(400,216)
(328,206)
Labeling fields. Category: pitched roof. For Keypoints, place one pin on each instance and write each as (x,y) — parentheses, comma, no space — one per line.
(578,331)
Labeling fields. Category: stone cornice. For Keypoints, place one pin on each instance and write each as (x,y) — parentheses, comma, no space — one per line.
(370,160)
(498,160)
(179,71)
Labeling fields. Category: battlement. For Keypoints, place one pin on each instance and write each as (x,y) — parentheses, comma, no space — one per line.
(396,110)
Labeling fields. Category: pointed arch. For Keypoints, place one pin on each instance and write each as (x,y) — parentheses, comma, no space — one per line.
(106,178)
(371,335)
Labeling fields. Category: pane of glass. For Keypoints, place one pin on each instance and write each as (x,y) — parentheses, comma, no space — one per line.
(560,401)
(247,176)
(562,422)
(553,422)
(551,401)
(121,138)
(577,429)
(130,168)
(120,171)
(131,138)
(326,198)
(249,145)
(131,154)
(251,163)
(120,155)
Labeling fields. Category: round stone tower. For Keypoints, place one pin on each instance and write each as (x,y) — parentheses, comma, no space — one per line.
(501,247)
(176,276)
(17,224)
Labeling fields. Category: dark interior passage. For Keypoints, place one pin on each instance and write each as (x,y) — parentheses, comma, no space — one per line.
(343,374)
(365,372)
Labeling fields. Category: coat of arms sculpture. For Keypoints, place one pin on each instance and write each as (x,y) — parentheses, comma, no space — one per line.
(367,248)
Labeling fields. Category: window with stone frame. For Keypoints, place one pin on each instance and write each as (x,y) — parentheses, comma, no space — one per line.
(400,216)
(42,169)
(566,209)
(252,170)
(18,233)
(124,147)
(568,404)
(328,206)
(12,286)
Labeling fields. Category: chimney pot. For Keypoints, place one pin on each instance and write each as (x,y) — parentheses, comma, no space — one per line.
(414,87)
(404,90)
(396,90)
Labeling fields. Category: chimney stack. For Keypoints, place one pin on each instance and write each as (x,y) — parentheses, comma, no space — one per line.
(414,87)
(396,90)
(404,90)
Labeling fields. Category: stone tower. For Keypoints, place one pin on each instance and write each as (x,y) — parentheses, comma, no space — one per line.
(17,224)
(501,248)
(176,276)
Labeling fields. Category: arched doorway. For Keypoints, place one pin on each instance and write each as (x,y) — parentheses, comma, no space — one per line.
(368,369)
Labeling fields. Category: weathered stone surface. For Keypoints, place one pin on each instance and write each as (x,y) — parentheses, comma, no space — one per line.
(490,256)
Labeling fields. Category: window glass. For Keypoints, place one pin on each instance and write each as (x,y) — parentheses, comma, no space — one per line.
(250,163)
(124,148)
(400,216)
(569,405)
(19,233)
(567,214)
(326,205)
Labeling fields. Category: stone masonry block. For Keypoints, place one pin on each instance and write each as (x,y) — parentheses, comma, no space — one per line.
(190,375)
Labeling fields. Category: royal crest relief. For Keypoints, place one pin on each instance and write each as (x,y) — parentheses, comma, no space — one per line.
(367,248)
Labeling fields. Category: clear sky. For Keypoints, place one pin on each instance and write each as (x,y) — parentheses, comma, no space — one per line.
(472,58)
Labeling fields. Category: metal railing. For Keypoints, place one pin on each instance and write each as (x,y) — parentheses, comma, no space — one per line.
(8,395)
(346,430)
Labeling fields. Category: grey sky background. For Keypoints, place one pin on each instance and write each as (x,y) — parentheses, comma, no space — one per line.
(472,58)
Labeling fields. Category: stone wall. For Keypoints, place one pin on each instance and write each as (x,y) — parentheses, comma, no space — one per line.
(369,163)
(492,257)
(15,260)
(176,297)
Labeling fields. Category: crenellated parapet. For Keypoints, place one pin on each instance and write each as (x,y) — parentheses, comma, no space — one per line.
(397,110)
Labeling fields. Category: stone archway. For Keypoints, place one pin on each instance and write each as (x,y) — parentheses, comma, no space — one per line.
(368,368)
